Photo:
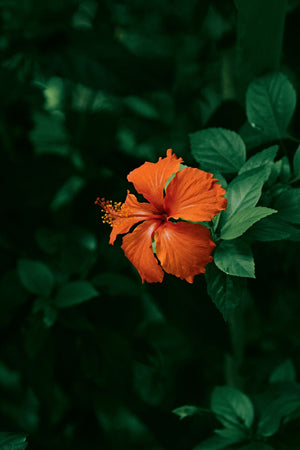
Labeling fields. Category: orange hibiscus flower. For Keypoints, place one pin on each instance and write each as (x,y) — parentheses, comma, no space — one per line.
(182,248)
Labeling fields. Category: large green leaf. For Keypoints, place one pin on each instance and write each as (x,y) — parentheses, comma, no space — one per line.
(235,258)
(245,190)
(218,149)
(270,104)
(273,229)
(276,412)
(262,158)
(36,277)
(242,220)
(12,441)
(74,293)
(234,434)
(225,291)
(296,163)
(288,205)
(232,407)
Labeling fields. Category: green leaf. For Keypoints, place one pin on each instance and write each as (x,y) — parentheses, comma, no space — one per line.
(288,204)
(35,276)
(67,192)
(242,220)
(273,229)
(225,291)
(234,434)
(252,137)
(74,293)
(141,107)
(260,159)
(235,258)
(284,372)
(218,149)
(245,190)
(232,407)
(270,104)
(276,412)
(296,163)
(188,410)
(12,441)
(285,170)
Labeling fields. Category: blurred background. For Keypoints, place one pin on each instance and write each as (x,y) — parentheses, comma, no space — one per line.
(90,90)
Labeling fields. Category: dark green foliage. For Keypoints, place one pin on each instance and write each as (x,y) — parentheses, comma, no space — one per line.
(11,441)
(91,358)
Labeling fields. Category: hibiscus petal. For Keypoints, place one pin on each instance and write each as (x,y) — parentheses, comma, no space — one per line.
(194,195)
(132,212)
(137,247)
(150,178)
(183,248)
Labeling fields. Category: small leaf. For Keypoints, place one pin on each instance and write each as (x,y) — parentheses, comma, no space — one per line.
(12,441)
(245,190)
(188,410)
(278,410)
(270,104)
(235,258)
(36,277)
(288,204)
(74,293)
(241,221)
(232,407)
(260,159)
(141,107)
(218,149)
(67,192)
(296,163)
(284,372)
(225,291)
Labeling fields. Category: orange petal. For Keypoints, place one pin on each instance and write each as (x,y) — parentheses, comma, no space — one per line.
(137,247)
(132,212)
(150,178)
(194,195)
(183,248)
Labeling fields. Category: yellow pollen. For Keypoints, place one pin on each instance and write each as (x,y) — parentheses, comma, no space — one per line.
(112,212)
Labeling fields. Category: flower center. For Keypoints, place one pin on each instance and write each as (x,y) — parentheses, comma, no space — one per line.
(112,211)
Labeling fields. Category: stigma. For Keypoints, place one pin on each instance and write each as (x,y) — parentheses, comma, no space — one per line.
(112,212)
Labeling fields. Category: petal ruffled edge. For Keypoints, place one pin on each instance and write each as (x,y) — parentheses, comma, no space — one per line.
(183,249)
(150,178)
(194,195)
(137,247)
